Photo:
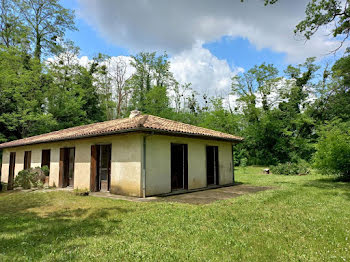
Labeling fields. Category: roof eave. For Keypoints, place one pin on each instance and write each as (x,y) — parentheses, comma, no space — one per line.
(129,130)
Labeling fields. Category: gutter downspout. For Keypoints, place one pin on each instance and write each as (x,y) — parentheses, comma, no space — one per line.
(233,164)
(143,173)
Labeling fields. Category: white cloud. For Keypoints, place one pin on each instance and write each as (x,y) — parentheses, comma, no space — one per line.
(176,26)
(206,72)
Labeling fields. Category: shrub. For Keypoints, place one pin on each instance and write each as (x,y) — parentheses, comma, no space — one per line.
(81,192)
(3,187)
(46,170)
(29,178)
(333,150)
(291,169)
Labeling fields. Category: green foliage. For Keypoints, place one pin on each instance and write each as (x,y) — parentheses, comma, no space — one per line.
(12,31)
(30,178)
(81,192)
(3,187)
(219,118)
(22,96)
(333,150)
(157,102)
(325,12)
(72,97)
(151,70)
(46,23)
(45,170)
(290,169)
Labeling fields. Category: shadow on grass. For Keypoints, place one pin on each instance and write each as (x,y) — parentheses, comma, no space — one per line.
(330,184)
(28,235)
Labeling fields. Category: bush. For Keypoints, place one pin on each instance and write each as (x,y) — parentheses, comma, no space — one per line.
(46,170)
(291,169)
(81,192)
(29,178)
(3,187)
(333,150)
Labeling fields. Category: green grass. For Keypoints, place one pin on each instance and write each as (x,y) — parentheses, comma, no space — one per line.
(305,218)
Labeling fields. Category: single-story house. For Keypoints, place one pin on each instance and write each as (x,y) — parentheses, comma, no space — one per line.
(142,155)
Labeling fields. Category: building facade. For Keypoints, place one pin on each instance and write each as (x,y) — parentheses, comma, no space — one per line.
(139,156)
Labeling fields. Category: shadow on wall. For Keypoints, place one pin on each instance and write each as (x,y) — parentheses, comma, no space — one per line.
(27,234)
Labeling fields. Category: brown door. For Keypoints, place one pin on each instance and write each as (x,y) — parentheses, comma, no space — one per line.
(93,174)
(102,179)
(45,158)
(67,156)
(11,170)
(212,165)
(179,167)
(27,159)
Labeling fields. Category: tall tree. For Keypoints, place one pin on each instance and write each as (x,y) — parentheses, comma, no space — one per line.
(12,31)
(114,82)
(48,22)
(22,96)
(334,102)
(151,70)
(258,83)
(73,99)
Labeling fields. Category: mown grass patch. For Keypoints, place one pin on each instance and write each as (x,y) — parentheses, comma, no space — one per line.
(305,218)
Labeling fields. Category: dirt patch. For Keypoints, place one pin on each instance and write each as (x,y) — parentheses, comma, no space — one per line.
(211,195)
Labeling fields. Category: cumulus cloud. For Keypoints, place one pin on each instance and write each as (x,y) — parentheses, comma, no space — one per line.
(207,74)
(176,26)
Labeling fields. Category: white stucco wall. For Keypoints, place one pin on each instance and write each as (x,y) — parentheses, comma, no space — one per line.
(158,162)
(5,165)
(125,167)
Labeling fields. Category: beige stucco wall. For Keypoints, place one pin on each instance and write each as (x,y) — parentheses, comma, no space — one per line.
(158,162)
(125,167)
(5,165)
(127,160)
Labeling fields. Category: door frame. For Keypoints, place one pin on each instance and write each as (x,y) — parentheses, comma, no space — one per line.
(184,167)
(215,165)
(11,175)
(27,160)
(46,152)
(95,180)
(63,173)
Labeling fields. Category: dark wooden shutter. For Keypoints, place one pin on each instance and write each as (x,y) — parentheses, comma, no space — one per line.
(61,171)
(109,166)
(11,170)
(217,166)
(185,160)
(93,168)
(27,159)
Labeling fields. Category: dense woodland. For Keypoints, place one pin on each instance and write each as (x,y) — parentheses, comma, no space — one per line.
(300,114)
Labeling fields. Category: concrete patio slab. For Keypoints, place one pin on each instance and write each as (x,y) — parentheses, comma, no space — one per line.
(197,198)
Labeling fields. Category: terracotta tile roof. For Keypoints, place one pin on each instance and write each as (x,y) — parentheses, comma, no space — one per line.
(137,123)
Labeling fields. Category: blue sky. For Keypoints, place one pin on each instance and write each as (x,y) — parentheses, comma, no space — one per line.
(236,51)
(240,52)
(88,39)
(207,41)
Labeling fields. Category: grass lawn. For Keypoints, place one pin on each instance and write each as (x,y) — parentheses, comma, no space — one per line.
(305,218)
